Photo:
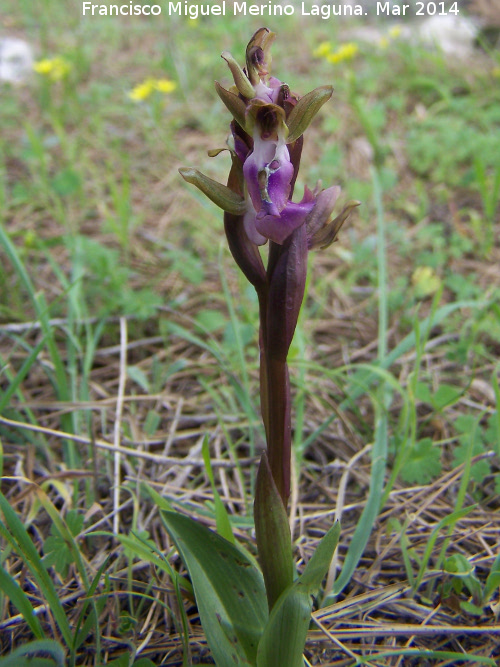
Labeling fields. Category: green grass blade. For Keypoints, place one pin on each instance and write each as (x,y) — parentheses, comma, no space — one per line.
(19,599)
(18,537)
(493,579)
(371,509)
(451,519)
(362,380)
(13,256)
(221,516)
(381,267)
(81,635)
(21,374)
(445,657)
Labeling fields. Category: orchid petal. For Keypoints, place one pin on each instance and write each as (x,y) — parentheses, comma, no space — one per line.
(278,228)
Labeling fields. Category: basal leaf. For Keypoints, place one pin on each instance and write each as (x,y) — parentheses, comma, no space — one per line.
(423,463)
(229,590)
(318,565)
(122,661)
(285,634)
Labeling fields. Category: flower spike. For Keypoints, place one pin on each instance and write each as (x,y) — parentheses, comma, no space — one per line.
(265,142)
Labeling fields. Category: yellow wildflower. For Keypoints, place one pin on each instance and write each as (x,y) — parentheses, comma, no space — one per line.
(384,42)
(142,91)
(53,68)
(165,85)
(496,72)
(146,88)
(425,281)
(395,32)
(322,50)
(344,52)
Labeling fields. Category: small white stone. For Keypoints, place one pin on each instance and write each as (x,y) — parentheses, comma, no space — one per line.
(454,35)
(16,60)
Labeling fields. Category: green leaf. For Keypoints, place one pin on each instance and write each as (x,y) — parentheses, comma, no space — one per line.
(471,608)
(210,320)
(493,580)
(51,654)
(319,562)
(137,375)
(423,393)
(131,549)
(446,394)
(471,444)
(229,590)
(458,566)
(161,502)
(66,182)
(122,661)
(423,463)
(372,506)
(58,552)
(273,534)
(285,634)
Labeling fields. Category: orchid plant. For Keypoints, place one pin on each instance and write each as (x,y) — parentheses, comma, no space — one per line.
(254,617)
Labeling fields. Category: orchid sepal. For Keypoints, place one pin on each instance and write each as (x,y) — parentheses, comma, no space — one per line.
(240,78)
(258,56)
(234,104)
(221,195)
(327,235)
(304,111)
